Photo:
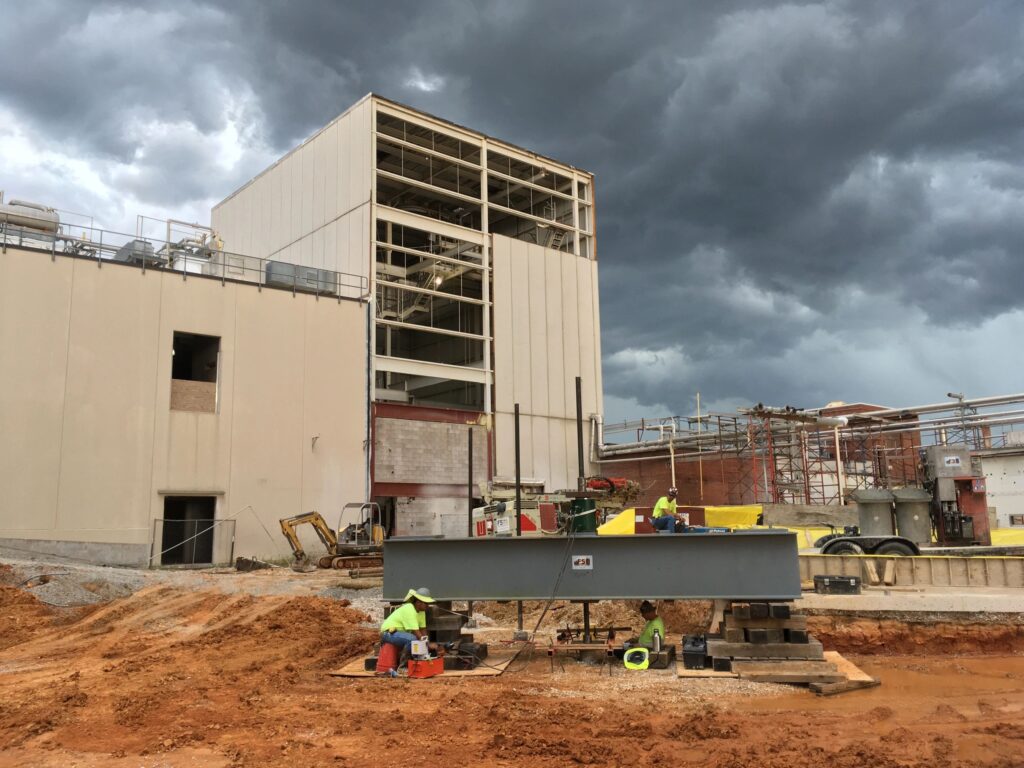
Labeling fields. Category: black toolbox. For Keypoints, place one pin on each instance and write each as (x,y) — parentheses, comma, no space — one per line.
(695,651)
(837,585)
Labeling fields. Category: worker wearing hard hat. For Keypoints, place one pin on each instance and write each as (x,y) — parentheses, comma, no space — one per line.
(408,622)
(654,626)
(663,518)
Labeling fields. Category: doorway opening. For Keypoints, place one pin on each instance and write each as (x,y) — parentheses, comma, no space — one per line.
(188,530)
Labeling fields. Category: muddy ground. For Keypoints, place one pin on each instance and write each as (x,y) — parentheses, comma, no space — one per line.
(202,676)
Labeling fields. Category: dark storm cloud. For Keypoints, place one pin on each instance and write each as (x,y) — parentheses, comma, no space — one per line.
(774,180)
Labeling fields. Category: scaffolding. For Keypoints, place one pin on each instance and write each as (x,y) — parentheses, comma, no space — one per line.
(816,457)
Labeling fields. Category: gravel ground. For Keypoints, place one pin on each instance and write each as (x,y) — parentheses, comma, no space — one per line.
(64,583)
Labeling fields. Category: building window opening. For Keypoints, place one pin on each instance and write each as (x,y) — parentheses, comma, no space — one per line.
(188,530)
(194,364)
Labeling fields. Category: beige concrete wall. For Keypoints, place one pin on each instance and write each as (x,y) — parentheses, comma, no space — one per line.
(90,445)
(312,206)
(1004,485)
(546,332)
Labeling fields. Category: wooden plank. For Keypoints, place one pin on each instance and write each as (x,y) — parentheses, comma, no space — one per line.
(682,671)
(830,689)
(871,573)
(793,622)
(889,575)
(720,648)
(718,614)
(496,661)
(847,667)
(789,671)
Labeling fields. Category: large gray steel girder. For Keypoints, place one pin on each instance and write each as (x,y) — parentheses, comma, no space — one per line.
(743,565)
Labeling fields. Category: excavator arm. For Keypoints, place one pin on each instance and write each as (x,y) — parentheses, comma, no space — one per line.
(289,524)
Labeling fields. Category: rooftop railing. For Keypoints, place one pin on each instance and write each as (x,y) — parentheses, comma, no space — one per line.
(190,257)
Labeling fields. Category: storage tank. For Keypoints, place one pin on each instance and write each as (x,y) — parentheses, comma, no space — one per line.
(874,511)
(19,213)
(913,514)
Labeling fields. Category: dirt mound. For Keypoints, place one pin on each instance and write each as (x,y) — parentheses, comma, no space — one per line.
(21,616)
(885,636)
(153,671)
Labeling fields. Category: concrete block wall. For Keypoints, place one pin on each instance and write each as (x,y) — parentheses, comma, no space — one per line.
(428,452)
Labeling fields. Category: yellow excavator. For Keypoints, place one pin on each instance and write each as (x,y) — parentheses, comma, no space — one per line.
(358,546)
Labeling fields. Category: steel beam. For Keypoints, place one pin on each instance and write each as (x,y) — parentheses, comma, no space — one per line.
(743,565)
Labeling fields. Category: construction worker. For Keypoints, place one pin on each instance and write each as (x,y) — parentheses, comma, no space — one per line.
(408,622)
(654,622)
(663,518)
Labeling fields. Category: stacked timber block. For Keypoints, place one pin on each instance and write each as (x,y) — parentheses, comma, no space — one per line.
(767,642)
(445,627)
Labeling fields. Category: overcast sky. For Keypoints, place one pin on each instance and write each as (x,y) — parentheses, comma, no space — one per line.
(796,203)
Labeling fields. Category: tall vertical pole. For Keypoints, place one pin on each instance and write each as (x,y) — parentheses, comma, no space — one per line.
(519,516)
(519,513)
(700,452)
(469,488)
(581,479)
(840,480)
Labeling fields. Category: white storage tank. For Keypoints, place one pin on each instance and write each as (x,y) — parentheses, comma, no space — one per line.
(20,213)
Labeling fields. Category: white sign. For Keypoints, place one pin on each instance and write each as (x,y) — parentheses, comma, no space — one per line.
(583,562)
(502,525)
(951,461)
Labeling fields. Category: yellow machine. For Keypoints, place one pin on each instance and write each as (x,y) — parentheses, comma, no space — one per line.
(358,545)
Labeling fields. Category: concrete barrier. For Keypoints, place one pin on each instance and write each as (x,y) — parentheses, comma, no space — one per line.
(922,571)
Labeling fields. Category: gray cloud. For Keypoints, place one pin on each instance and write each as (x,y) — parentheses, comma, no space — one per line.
(778,184)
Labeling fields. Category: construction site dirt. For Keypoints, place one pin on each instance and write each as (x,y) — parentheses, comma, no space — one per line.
(176,674)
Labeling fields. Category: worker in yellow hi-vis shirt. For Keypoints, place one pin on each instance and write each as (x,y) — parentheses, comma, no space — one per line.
(408,622)
(664,515)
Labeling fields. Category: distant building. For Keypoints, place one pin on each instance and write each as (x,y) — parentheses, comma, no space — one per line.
(1003,466)
(365,301)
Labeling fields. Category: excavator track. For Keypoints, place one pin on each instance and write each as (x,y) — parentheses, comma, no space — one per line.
(344,563)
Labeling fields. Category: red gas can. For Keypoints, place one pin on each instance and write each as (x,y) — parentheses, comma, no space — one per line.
(425,667)
(387,659)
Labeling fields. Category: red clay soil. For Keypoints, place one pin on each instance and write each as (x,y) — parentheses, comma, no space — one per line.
(174,678)
(885,636)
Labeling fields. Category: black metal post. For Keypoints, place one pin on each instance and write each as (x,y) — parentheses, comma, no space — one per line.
(581,482)
(519,517)
(519,513)
(586,618)
(469,488)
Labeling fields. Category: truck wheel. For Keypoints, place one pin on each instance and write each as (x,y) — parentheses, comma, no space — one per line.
(843,548)
(894,548)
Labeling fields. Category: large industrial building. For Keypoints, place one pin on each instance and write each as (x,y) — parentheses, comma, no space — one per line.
(353,312)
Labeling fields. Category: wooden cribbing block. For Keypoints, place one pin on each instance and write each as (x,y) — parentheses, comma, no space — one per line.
(759,610)
(734,635)
(809,650)
(789,671)
(757,635)
(779,610)
(776,635)
(793,622)
(740,610)
(796,635)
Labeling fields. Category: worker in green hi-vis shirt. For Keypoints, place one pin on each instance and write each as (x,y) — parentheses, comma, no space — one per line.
(654,622)
(663,517)
(408,622)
